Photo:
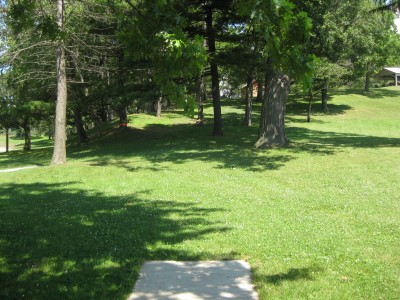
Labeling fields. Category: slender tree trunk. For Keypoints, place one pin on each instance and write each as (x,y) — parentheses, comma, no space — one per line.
(122,110)
(60,136)
(83,138)
(324,95)
(310,100)
(201,97)
(7,139)
(109,113)
(81,93)
(260,89)
(217,128)
(272,122)
(159,106)
(27,135)
(249,99)
(367,78)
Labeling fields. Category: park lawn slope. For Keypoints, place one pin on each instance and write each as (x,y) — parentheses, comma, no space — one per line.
(319,219)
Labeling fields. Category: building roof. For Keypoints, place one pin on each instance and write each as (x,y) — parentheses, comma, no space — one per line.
(388,71)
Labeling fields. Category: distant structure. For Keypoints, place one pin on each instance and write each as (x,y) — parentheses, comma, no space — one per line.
(243,89)
(390,73)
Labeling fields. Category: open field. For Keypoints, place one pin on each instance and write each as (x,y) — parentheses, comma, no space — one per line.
(317,220)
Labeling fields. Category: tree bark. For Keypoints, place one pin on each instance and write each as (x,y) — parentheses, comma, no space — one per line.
(272,122)
(260,89)
(159,106)
(83,138)
(27,135)
(122,110)
(60,136)
(249,99)
(310,100)
(123,117)
(201,97)
(324,95)
(80,94)
(7,139)
(367,78)
(217,128)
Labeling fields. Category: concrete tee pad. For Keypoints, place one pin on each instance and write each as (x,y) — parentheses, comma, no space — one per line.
(194,280)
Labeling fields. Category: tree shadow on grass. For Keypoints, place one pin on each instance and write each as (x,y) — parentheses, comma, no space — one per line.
(299,109)
(179,144)
(66,243)
(292,274)
(321,142)
(380,93)
(19,158)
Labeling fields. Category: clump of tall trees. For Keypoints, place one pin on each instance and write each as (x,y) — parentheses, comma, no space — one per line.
(94,61)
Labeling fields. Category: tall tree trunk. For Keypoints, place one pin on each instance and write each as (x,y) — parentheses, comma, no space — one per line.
(122,109)
(109,113)
(201,97)
(249,99)
(272,122)
(7,139)
(103,112)
(27,135)
(367,78)
(83,138)
(217,128)
(324,95)
(81,93)
(159,106)
(60,136)
(310,100)
(260,89)
(123,117)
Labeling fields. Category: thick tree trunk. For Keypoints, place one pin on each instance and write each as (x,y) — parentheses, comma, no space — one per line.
(201,97)
(83,138)
(27,135)
(249,99)
(367,78)
(272,122)
(324,95)
(103,113)
(260,89)
(60,136)
(217,128)
(123,118)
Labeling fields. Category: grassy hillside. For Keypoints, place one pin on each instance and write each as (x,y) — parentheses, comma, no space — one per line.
(317,220)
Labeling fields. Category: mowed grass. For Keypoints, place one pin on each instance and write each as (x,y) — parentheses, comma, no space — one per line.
(19,157)
(317,220)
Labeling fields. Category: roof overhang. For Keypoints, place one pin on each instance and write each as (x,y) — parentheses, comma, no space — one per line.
(388,73)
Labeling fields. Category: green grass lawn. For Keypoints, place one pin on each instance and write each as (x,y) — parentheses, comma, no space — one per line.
(317,220)
(17,142)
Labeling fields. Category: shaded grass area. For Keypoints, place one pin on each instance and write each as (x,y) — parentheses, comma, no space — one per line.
(79,244)
(39,155)
(319,219)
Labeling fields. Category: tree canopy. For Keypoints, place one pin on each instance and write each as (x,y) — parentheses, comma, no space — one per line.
(98,60)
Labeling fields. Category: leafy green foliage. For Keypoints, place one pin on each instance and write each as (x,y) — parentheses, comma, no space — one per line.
(285,31)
